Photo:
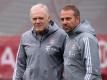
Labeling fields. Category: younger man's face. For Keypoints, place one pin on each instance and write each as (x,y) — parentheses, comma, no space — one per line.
(68,20)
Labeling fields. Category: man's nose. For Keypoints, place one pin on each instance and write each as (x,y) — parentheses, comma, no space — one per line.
(37,21)
(64,21)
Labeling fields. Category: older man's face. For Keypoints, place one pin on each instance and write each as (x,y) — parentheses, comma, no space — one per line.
(39,19)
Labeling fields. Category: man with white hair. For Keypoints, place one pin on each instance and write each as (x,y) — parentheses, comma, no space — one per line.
(40,53)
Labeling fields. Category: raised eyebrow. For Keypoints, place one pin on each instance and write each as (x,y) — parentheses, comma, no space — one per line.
(34,18)
(61,18)
(40,18)
(68,18)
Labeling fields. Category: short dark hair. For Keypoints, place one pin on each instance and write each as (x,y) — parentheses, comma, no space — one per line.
(72,7)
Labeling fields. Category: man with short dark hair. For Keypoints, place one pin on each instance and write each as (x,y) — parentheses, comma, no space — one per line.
(81,56)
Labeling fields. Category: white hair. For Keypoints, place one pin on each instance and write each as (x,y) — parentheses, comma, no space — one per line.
(40,5)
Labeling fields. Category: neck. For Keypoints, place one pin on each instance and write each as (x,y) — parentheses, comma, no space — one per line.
(42,33)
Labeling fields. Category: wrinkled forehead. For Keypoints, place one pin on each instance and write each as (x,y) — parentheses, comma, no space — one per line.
(67,12)
(39,9)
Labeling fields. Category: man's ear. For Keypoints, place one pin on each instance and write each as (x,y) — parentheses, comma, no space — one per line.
(49,18)
(78,19)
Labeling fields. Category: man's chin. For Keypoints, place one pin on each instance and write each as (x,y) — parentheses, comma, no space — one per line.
(66,30)
(39,30)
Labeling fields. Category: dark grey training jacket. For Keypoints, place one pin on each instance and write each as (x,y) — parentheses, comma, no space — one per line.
(81,57)
(41,59)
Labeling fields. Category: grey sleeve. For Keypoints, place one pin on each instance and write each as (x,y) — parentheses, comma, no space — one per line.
(20,64)
(91,59)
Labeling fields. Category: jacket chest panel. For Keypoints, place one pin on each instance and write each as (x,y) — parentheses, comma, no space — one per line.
(72,52)
(49,47)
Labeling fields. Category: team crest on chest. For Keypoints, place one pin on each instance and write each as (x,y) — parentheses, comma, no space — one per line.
(50,43)
(72,47)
